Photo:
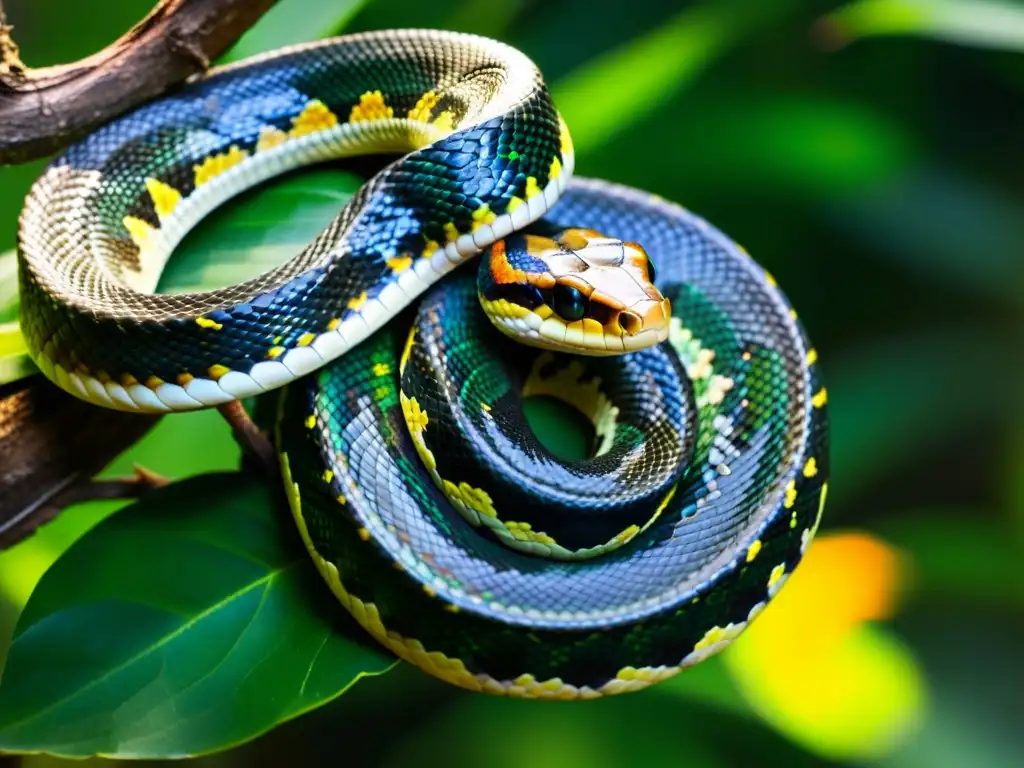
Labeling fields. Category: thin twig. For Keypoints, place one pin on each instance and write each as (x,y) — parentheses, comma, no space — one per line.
(51,442)
(43,110)
(254,442)
(133,487)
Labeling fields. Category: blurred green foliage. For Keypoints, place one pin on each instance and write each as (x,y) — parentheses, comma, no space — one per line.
(867,153)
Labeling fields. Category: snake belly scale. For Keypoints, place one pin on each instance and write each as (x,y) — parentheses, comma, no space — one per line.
(432,511)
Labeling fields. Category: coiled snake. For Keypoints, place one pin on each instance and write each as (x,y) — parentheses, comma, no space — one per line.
(426,502)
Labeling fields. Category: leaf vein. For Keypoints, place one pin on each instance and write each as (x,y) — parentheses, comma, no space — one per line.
(264,580)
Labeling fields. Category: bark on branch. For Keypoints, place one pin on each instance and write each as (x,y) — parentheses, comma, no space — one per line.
(51,445)
(43,110)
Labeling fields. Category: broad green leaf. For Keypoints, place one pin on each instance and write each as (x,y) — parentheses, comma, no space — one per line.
(895,397)
(8,286)
(615,91)
(294,21)
(860,703)
(959,553)
(14,360)
(983,23)
(931,218)
(180,446)
(707,685)
(811,146)
(584,734)
(812,665)
(190,622)
(259,230)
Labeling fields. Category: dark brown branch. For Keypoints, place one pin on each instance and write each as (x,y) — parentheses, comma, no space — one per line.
(43,110)
(257,449)
(51,445)
(134,487)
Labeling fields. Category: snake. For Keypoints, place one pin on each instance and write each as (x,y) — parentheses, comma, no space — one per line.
(397,382)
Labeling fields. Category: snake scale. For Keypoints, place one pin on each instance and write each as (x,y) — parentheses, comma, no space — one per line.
(430,508)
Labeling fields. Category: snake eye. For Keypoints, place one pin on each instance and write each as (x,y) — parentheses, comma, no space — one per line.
(570,304)
(652,274)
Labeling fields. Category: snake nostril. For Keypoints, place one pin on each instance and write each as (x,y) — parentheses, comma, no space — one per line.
(630,322)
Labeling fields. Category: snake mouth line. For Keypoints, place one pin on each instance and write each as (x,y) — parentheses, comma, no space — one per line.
(267,375)
(555,335)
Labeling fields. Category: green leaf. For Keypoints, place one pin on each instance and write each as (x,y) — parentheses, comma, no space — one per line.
(211,448)
(707,685)
(959,553)
(893,398)
(807,145)
(928,219)
(8,286)
(187,623)
(294,21)
(984,23)
(609,94)
(259,230)
(14,360)
(858,704)
(584,734)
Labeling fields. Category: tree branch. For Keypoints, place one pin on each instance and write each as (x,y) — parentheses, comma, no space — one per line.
(257,450)
(43,110)
(51,445)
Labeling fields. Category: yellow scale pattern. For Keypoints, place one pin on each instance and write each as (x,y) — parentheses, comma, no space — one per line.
(453,670)
(316,117)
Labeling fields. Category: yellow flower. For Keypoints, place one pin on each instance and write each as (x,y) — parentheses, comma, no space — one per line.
(815,668)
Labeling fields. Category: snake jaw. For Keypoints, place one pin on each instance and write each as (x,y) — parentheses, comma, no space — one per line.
(581,293)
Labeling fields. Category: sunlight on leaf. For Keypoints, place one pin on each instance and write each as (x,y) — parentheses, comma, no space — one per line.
(259,230)
(8,286)
(615,91)
(985,23)
(14,360)
(294,21)
(806,145)
(811,667)
(179,446)
(928,219)
(201,624)
(861,702)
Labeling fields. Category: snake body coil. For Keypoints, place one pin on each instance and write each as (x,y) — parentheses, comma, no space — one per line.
(433,513)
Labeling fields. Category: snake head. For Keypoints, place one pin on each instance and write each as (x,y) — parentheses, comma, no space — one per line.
(578,292)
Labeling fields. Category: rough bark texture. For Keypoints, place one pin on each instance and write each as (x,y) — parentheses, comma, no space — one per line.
(43,110)
(51,444)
